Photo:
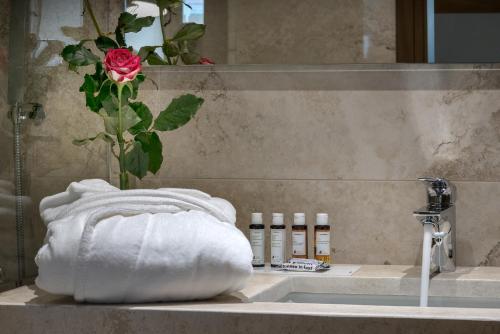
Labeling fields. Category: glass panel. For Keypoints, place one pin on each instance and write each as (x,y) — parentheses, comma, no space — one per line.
(147,36)
(8,262)
(194,11)
(467,37)
(16,207)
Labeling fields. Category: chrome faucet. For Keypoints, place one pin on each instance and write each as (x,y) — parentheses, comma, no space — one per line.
(440,213)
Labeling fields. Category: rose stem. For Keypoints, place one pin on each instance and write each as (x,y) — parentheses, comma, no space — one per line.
(91,13)
(119,137)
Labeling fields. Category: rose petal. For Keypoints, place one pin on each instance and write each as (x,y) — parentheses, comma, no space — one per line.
(115,76)
(122,65)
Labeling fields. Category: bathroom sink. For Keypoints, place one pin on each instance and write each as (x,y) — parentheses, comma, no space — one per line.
(467,287)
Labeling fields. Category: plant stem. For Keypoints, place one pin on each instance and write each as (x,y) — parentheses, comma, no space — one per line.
(121,142)
(92,16)
(163,25)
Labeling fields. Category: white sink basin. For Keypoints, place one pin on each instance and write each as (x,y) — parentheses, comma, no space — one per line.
(467,287)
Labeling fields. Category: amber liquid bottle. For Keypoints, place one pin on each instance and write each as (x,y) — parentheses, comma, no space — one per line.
(299,236)
(322,238)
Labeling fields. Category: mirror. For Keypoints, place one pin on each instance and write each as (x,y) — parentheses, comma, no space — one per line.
(335,31)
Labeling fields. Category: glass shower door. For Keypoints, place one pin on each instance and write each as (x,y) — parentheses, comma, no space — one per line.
(16,207)
(8,240)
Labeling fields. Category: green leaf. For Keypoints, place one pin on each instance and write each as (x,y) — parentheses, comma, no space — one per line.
(120,38)
(189,32)
(144,114)
(135,84)
(129,117)
(169,3)
(151,144)
(136,24)
(99,75)
(131,88)
(130,23)
(111,123)
(145,51)
(110,105)
(178,112)
(127,92)
(170,49)
(78,55)
(91,85)
(140,78)
(190,58)
(104,92)
(155,59)
(103,136)
(104,43)
(137,161)
(73,68)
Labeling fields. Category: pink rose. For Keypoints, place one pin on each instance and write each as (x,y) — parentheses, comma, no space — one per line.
(206,61)
(122,65)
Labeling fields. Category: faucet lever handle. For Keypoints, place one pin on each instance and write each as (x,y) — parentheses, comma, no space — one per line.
(440,193)
(428,179)
(436,182)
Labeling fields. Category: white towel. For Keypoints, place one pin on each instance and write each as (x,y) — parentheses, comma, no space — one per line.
(108,245)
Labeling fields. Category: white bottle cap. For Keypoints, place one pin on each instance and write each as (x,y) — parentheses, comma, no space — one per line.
(278,219)
(299,218)
(322,219)
(257,218)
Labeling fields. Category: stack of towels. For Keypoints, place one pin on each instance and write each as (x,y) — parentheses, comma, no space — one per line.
(113,246)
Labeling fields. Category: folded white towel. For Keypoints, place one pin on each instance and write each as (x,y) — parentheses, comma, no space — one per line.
(108,245)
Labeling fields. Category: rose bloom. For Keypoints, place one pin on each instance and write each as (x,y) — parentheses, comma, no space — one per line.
(122,65)
(206,61)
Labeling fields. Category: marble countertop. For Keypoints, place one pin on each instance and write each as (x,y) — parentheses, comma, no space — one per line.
(265,283)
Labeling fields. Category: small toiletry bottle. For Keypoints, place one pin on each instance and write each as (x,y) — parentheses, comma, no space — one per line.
(257,238)
(299,236)
(278,240)
(322,238)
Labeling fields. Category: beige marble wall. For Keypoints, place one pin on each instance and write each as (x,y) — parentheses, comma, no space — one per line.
(276,141)
(299,32)
(310,32)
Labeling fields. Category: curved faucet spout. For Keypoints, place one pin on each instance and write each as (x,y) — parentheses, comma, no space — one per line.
(438,220)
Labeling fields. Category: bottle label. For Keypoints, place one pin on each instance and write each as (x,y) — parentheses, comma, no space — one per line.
(323,243)
(299,243)
(257,243)
(277,246)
